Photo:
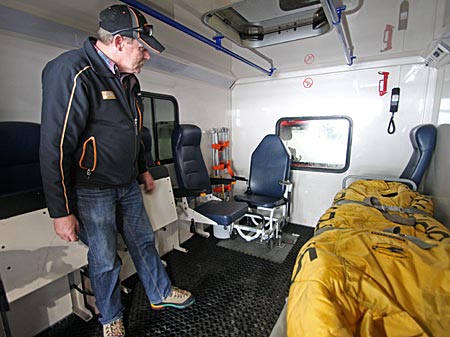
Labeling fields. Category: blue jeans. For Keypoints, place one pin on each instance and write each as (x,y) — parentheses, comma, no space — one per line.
(96,210)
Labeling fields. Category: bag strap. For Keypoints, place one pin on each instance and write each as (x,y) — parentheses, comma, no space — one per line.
(375,203)
(418,242)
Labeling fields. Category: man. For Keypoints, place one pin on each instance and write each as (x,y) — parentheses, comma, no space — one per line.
(91,155)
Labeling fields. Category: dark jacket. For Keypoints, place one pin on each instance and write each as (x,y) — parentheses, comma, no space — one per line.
(90,133)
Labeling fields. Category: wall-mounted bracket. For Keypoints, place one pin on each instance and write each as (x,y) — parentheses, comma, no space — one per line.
(382,84)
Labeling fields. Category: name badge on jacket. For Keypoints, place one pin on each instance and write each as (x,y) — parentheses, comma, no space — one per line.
(108,95)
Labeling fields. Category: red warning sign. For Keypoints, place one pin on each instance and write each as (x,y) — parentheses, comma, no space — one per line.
(308,82)
(309,58)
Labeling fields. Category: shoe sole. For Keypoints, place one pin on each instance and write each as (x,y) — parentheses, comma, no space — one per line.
(161,306)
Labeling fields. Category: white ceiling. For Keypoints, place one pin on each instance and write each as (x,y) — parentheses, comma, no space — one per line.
(366,30)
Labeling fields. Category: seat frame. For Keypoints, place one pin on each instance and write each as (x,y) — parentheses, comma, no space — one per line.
(188,214)
(265,227)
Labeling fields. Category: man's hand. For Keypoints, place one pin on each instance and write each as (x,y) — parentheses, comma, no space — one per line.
(67,228)
(147,179)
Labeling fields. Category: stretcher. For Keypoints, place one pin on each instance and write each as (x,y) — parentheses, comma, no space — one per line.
(378,265)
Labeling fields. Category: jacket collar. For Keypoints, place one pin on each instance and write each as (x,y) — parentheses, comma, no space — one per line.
(97,63)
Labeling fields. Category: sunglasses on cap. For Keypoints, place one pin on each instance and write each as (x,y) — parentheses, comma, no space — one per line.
(146,30)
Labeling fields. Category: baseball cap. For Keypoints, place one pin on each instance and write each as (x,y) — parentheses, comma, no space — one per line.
(128,21)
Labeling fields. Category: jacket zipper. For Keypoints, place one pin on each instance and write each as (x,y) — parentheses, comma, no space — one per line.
(126,85)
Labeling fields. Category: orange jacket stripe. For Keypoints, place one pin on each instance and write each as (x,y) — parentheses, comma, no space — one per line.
(61,151)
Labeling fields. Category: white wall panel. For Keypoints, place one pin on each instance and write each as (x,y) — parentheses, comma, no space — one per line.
(257,107)
(444,104)
(21,63)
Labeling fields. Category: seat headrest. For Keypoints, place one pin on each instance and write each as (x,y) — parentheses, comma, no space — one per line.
(187,135)
(423,137)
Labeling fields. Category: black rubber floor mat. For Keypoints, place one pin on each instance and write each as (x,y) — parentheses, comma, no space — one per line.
(277,253)
(237,295)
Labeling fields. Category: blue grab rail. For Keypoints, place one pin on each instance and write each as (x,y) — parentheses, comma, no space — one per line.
(215,44)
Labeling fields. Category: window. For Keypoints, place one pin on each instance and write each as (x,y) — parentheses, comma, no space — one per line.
(317,143)
(160,118)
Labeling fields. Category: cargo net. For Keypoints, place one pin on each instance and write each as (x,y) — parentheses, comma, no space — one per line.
(221,162)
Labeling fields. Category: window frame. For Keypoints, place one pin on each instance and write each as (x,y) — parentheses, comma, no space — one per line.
(152,96)
(297,165)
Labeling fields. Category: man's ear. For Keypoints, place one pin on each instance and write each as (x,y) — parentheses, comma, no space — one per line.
(118,42)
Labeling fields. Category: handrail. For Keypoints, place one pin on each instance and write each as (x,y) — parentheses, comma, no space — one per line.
(217,43)
(335,14)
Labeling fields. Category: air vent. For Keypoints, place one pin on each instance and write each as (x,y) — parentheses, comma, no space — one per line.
(260,23)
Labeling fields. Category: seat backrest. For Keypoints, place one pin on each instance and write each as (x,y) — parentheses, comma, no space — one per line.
(188,159)
(147,140)
(19,163)
(269,165)
(423,141)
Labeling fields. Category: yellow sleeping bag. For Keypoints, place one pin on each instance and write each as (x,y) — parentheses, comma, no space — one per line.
(362,282)
(403,207)
(378,265)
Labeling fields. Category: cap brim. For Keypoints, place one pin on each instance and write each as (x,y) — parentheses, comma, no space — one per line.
(150,43)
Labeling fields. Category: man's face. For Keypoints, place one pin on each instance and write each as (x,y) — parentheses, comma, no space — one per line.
(134,55)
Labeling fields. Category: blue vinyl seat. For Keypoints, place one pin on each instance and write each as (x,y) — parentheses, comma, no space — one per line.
(147,142)
(423,140)
(268,191)
(194,193)
(20,174)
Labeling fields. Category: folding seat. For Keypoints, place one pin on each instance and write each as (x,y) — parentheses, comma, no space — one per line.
(28,239)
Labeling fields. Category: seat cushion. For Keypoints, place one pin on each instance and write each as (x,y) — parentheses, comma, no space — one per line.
(223,212)
(254,200)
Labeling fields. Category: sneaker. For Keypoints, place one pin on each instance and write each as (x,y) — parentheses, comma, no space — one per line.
(114,329)
(178,298)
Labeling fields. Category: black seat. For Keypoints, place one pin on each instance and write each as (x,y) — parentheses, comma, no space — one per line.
(268,190)
(20,175)
(147,141)
(270,165)
(194,181)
